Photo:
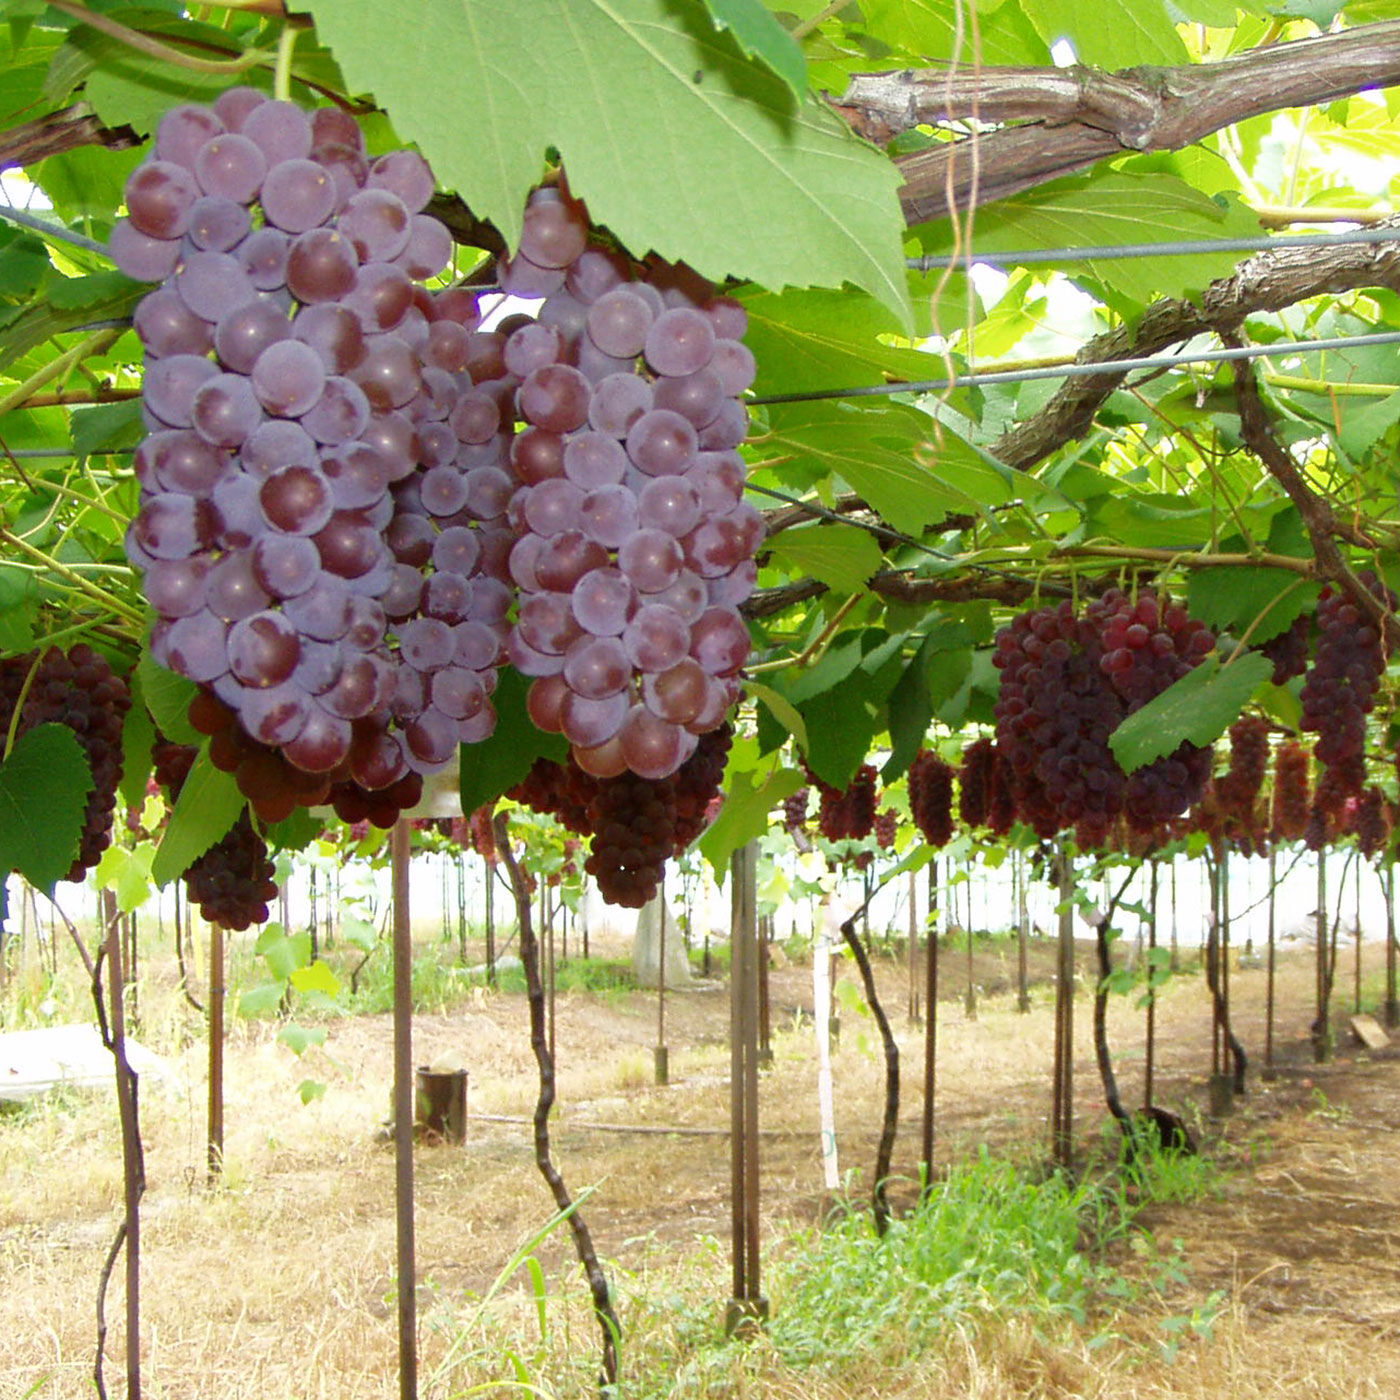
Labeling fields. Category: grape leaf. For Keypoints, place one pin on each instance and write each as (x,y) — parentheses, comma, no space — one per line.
(168,699)
(44,785)
(1197,710)
(758,33)
(208,805)
(1109,33)
(842,556)
(487,769)
(1231,599)
(744,816)
(662,124)
(933,30)
(138,734)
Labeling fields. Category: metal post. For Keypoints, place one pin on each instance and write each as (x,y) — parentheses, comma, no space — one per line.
(403,1113)
(1150,1055)
(215,1143)
(1392,1004)
(1322,1028)
(1062,1103)
(930,1021)
(662,1055)
(913,948)
(747,1308)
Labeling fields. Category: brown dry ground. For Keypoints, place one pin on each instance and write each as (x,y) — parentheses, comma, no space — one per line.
(278,1282)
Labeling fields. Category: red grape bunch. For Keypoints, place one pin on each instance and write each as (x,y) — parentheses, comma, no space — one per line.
(975,782)
(636,545)
(849,814)
(1371,822)
(1289,809)
(76,688)
(1339,691)
(931,798)
(323,546)
(1066,685)
(1290,650)
(234,881)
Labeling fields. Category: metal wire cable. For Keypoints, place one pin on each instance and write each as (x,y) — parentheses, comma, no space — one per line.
(1173,248)
(54,231)
(1096,367)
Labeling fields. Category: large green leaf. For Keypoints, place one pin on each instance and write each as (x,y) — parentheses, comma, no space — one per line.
(872,448)
(1197,710)
(1113,207)
(1236,599)
(208,805)
(168,697)
(749,798)
(758,33)
(842,556)
(816,338)
(677,141)
(930,29)
(44,785)
(487,769)
(1110,33)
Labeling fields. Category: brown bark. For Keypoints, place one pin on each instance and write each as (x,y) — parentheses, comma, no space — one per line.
(60,131)
(1071,118)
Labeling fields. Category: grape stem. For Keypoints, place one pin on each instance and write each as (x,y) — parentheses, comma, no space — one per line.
(810,655)
(282,69)
(92,345)
(801,31)
(154,48)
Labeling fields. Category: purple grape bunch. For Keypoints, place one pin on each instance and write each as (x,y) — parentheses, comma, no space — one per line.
(635,545)
(322,524)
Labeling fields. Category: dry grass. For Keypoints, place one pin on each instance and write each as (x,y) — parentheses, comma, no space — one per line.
(278,1282)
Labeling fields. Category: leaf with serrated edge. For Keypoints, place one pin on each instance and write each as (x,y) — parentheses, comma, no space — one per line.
(758,33)
(487,769)
(782,710)
(1197,709)
(662,124)
(44,785)
(841,556)
(168,699)
(744,816)
(208,805)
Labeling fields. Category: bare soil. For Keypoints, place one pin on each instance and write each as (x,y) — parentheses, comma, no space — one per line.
(278,1282)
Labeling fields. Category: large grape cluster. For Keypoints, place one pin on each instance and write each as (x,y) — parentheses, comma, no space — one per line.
(1371,822)
(1289,809)
(848,814)
(931,798)
(635,543)
(322,526)
(234,881)
(1339,691)
(1066,684)
(975,782)
(76,688)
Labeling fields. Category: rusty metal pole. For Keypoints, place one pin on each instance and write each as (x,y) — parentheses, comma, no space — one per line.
(399,853)
(1150,1049)
(1392,1004)
(747,1308)
(661,1055)
(930,1022)
(217,988)
(1270,968)
(1062,1098)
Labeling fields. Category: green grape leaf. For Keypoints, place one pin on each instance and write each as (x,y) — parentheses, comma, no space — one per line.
(758,33)
(1109,33)
(487,769)
(208,805)
(109,425)
(933,29)
(842,556)
(138,735)
(127,873)
(749,798)
(19,606)
(168,697)
(785,716)
(261,1000)
(318,977)
(1236,599)
(299,1039)
(1197,710)
(662,124)
(44,786)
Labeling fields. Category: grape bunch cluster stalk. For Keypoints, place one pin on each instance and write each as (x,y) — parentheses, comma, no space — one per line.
(234,881)
(635,544)
(1067,682)
(76,688)
(321,530)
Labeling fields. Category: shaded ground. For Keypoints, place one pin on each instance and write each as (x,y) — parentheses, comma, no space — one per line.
(279,1282)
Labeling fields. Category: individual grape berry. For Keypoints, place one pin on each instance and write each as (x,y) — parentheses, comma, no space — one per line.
(931,798)
(78,689)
